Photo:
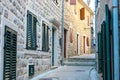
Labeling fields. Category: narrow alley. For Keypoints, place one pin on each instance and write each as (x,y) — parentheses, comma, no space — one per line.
(75,68)
(59,40)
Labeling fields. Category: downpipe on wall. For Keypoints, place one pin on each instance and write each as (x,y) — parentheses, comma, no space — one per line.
(115,39)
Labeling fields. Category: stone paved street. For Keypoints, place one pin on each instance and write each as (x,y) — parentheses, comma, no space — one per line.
(71,72)
(67,73)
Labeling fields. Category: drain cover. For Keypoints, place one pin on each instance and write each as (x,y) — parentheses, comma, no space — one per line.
(53,78)
(80,70)
(45,79)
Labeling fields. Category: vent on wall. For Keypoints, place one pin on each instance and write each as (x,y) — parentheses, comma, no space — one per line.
(31,70)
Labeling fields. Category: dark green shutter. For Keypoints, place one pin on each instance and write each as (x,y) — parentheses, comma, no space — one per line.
(106,46)
(100,56)
(47,40)
(34,40)
(31,31)
(10,51)
(108,50)
(45,37)
(103,32)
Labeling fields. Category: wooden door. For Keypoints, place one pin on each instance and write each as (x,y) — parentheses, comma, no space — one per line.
(83,44)
(65,31)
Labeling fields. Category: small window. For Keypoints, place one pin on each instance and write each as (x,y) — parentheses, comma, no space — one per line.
(31,31)
(45,37)
(82,13)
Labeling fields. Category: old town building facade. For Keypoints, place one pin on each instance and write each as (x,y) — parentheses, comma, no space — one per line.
(29,37)
(107,38)
(78,19)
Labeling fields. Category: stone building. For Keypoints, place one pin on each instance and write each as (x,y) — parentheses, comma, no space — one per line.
(107,38)
(78,19)
(29,37)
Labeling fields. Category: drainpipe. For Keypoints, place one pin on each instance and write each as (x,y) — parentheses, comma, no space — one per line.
(115,39)
(62,34)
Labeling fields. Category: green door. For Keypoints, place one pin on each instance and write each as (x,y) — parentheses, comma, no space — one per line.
(10,50)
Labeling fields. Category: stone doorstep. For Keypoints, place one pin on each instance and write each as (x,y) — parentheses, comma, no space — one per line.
(53,67)
(80,63)
(81,59)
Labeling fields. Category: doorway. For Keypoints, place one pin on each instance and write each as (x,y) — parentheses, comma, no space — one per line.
(65,36)
(53,39)
(77,43)
(83,44)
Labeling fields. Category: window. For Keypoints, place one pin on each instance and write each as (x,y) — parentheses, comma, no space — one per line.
(31,31)
(10,51)
(72,2)
(82,13)
(88,20)
(45,37)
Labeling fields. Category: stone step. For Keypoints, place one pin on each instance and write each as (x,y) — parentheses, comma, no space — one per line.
(79,63)
(81,60)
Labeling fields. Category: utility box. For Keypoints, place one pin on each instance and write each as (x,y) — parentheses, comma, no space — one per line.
(31,70)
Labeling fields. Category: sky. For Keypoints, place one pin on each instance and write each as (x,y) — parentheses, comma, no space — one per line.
(92,5)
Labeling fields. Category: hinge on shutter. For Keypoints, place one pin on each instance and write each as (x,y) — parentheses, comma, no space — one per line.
(110,32)
(4,47)
(5,34)
(36,46)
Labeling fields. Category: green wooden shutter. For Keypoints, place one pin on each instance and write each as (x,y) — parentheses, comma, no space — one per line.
(10,50)
(108,50)
(100,53)
(34,39)
(103,48)
(43,37)
(29,31)
(47,40)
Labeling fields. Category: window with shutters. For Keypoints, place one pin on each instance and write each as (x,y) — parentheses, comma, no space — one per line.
(10,52)
(88,20)
(31,31)
(45,37)
(82,13)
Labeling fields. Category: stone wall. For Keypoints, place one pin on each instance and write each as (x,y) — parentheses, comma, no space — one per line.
(100,17)
(14,12)
(72,18)
(100,14)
